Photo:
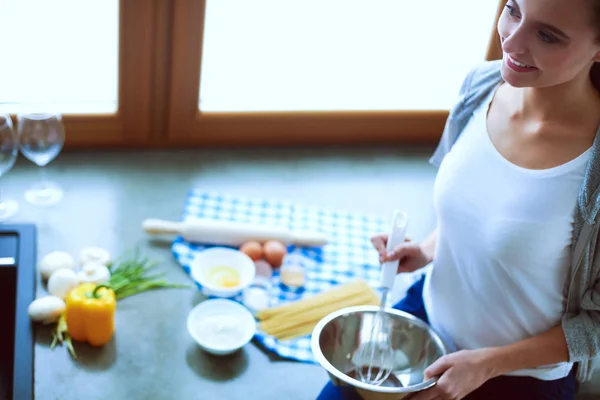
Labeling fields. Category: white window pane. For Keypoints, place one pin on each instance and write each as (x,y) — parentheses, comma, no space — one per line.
(61,53)
(273,55)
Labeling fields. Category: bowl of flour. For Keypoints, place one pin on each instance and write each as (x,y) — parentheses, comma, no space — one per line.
(221,327)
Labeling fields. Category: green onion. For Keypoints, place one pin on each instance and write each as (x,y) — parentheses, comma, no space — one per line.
(133,276)
(60,334)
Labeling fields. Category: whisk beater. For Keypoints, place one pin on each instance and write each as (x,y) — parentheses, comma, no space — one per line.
(375,359)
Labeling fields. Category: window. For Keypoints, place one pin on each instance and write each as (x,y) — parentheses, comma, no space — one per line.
(321,72)
(64,54)
(92,60)
(307,55)
(220,72)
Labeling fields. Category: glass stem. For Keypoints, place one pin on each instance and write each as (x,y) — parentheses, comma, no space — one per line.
(44,177)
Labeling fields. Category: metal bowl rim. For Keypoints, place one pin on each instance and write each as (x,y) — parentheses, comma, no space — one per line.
(355,382)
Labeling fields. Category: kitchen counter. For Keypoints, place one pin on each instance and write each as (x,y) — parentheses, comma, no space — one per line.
(108,194)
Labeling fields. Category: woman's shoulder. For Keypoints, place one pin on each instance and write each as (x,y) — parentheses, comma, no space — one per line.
(477,84)
(482,77)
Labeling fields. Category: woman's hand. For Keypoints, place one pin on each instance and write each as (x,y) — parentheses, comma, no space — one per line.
(459,374)
(410,254)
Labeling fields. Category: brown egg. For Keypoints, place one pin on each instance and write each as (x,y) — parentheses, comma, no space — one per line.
(274,252)
(252,249)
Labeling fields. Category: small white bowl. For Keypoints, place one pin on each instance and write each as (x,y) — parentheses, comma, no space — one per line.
(220,326)
(219,257)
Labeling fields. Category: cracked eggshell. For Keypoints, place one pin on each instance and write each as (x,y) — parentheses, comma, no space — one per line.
(54,261)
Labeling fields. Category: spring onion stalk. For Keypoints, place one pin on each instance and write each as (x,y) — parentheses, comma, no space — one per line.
(60,334)
(134,275)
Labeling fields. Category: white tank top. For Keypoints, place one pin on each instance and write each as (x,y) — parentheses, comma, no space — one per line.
(503,248)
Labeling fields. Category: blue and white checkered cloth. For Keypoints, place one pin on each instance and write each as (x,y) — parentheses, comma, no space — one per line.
(348,254)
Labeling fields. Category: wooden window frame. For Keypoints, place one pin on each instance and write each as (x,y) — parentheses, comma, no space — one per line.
(160,53)
(187,125)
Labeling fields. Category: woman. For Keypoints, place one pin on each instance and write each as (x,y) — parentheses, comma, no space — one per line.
(515,284)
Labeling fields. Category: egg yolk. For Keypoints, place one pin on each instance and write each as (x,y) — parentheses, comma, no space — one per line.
(224,277)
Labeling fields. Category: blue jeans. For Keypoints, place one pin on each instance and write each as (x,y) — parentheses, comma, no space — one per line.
(500,388)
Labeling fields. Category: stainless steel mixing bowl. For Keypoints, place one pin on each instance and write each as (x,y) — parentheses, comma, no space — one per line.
(415,345)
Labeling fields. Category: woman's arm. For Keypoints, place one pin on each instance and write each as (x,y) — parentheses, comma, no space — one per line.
(462,372)
(547,348)
(429,245)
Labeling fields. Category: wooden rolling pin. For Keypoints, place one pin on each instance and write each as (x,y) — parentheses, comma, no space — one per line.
(231,233)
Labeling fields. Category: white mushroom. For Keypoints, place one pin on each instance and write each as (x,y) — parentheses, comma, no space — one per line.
(54,261)
(46,309)
(94,255)
(94,273)
(61,282)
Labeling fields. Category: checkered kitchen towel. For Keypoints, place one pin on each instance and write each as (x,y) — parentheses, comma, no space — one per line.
(348,254)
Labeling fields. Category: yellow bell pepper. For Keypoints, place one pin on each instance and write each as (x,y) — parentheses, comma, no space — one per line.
(90,313)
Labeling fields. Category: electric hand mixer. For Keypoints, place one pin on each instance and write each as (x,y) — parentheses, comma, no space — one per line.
(376,355)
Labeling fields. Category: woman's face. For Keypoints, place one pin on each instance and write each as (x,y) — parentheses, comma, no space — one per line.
(547,42)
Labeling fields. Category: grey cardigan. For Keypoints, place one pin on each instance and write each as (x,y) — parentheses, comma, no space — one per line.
(581,317)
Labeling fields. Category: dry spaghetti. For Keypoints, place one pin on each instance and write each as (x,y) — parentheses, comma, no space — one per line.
(297,319)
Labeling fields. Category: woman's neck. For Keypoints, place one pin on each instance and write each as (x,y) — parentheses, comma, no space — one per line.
(572,100)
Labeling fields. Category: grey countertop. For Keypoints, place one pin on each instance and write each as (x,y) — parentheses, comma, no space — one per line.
(108,194)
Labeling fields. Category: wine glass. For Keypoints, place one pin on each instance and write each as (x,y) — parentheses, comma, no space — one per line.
(41,137)
(9,149)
